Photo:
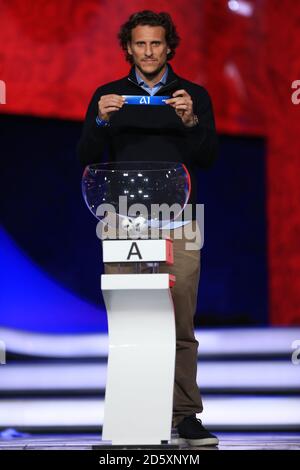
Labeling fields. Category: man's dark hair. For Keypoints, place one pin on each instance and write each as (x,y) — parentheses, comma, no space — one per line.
(150,18)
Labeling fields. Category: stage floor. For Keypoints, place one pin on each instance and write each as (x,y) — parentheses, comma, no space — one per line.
(228,441)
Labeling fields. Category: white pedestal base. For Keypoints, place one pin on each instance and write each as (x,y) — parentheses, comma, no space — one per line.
(141,362)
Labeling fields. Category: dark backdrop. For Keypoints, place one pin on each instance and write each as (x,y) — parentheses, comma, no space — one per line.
(43,211)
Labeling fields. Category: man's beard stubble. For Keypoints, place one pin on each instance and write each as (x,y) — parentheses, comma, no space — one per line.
(153,74)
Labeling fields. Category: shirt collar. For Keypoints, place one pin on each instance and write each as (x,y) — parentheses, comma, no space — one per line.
(162,81)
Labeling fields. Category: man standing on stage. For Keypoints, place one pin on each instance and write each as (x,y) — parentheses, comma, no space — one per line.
(182,131)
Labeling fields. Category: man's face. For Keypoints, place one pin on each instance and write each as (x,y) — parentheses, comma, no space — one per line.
(148,48)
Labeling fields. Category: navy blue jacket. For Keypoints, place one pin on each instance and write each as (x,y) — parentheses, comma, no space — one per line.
(143,132)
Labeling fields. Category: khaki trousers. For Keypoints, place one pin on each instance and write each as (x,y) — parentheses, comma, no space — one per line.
(186,268)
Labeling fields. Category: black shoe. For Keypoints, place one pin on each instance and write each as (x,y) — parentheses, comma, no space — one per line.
(191,431)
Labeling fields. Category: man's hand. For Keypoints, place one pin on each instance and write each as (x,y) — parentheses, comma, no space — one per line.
(183,105)
(108,104)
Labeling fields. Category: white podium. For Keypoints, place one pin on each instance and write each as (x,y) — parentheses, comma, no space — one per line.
(142,345)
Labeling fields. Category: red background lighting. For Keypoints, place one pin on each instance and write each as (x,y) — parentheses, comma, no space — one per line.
(54,54)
